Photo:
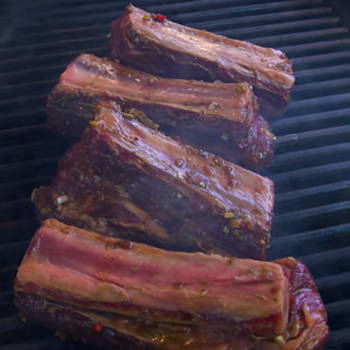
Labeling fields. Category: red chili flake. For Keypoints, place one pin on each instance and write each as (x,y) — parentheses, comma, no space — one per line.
(160,18)
(275,289)
(98,327)
(99,103)
(249,124)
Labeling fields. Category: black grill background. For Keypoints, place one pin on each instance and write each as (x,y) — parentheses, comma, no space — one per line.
(312,162)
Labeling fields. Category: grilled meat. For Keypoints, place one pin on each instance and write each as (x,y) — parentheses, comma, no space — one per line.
(159,46)
(211,116)
(125,178)
(114,292)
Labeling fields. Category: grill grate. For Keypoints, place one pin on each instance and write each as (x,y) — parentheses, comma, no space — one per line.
(312,159)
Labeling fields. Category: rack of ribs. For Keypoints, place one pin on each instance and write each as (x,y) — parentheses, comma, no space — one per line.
(154,44)
(113,292)
(217,117)
(127,179)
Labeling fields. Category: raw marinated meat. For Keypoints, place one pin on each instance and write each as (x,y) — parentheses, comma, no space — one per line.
(154,44)
(114,292)
(211,115)
(253,152)
(126,179)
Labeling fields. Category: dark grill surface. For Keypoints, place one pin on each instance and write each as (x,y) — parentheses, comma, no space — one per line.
(312,162)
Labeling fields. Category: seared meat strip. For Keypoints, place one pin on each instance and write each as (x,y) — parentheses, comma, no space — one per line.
(186,198)
(162,47)
(211,115)
(113,292)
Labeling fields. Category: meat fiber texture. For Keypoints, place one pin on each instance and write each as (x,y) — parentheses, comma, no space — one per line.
(254,152)
(154,44)
(220,117)
(128,180)
(120,294)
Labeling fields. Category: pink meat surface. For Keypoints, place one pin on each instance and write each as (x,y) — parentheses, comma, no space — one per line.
(113,292)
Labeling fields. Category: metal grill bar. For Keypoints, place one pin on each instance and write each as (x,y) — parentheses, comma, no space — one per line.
(239,22)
